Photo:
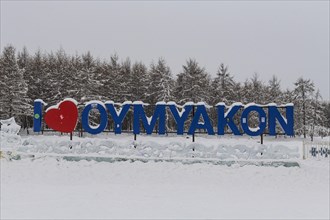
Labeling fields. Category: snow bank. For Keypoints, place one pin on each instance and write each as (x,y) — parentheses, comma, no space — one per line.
(9,126)
(8,134)
(163,147)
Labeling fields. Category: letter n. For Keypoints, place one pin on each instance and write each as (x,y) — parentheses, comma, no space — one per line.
(286,123)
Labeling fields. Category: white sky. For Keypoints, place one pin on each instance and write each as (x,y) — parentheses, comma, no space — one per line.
(288,39)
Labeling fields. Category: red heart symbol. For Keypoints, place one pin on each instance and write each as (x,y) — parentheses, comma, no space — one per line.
(62,118)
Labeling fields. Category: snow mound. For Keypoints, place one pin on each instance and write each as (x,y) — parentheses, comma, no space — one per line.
(8,134)
(159,148)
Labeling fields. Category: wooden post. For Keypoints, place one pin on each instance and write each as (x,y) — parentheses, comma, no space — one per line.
(303,150)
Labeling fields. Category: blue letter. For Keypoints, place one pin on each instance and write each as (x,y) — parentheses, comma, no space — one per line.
(201,111)
(118,117)
(262,120)
(85,118)
(149,124)
(227,119)
(286,124)
(180,118)
(37,115)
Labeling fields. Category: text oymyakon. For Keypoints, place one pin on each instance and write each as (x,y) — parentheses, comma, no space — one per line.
(64,117)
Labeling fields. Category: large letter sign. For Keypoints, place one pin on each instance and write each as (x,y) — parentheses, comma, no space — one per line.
(118,116)
(227,119)
(103,118)
(286,123)
(180,117)
(63,117)
(149,123)
(195,124)
(262,121)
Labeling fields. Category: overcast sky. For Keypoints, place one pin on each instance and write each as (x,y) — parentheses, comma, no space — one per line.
(288,39)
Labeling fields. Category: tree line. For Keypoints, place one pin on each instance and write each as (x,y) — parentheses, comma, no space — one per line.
(54,76)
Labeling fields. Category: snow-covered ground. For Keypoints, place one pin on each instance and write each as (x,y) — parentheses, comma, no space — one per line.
(47,188)
(51,187)
(165,147)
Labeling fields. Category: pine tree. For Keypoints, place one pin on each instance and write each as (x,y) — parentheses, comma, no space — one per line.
(326,113)
(139,82)
(258,90)
(23,58)
(316,126)
(13,99)
(274,93)
(53,90)
(78,78)
(303,92)
(116,79)
(288,96)
(161,82)
(223,86)
(125,84)
(193,83)
(36,78)
(89,79)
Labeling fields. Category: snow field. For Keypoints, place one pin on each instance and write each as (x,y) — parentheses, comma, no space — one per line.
(48,188)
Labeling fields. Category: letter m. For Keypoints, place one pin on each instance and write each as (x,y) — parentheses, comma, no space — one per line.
(149,122)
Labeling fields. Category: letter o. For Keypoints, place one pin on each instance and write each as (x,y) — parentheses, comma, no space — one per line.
(103,118)
(262,120)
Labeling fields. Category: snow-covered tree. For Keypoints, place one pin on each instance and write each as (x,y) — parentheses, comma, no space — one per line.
(23,58)
(223,86)
(53,90)
(192,84)
(125,82)
(303,101)
(89,79)
(161,82)
(326,113)
(253,90)
(316,126)
(139,82)
(114,80)
(273,91)
(13,99)
(35,76)
(54,76)
(258,91)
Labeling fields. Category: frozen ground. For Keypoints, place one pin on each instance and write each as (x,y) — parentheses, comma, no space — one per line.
(48,188)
